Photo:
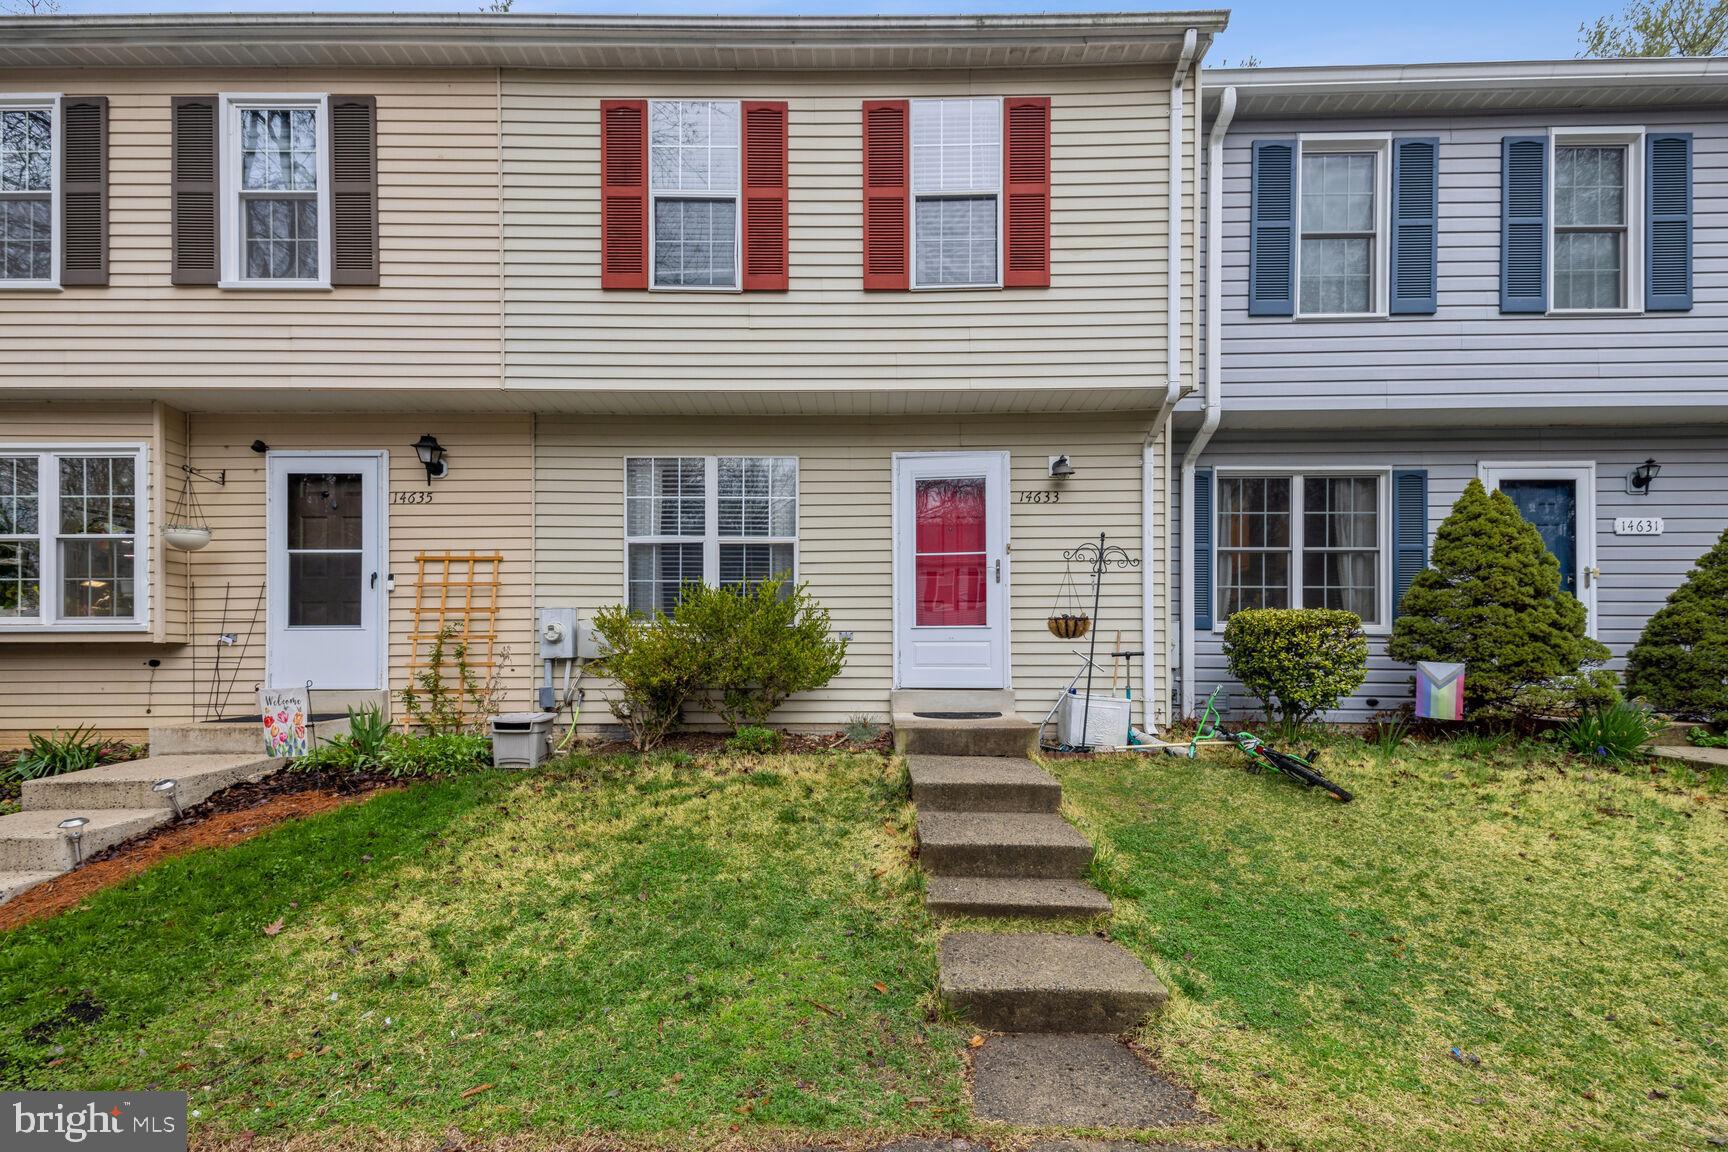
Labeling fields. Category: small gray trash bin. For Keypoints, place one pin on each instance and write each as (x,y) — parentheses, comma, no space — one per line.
(520,739)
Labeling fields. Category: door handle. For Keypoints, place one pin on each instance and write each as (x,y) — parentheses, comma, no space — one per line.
(1591,575)
(374,582)
(998,569)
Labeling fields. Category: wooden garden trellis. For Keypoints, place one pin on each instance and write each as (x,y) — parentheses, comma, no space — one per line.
(458,591)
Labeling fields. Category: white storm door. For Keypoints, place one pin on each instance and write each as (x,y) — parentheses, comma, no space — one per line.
(326,579)
(1560,500)
(951,570)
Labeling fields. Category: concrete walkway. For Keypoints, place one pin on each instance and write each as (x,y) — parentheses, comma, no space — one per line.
(993,844)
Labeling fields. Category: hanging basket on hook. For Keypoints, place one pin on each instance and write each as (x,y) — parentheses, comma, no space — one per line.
(187,528)
(1068,620)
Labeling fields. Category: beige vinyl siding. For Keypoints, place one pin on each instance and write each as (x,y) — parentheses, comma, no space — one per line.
(481,505)
(432,322)
(1101,324)
(845,543)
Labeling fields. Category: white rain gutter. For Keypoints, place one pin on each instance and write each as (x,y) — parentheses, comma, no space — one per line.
(1149,474)
(1214,397)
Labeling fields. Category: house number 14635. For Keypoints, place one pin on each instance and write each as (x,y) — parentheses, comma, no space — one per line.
(410,497)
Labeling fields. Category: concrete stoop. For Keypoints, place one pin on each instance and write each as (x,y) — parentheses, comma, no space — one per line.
(235,737)
(119,801)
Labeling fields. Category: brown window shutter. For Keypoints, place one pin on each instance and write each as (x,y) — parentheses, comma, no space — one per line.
(353,190)
(194,212)
(887,195)
(84,190)
(765,196)
(1026,191)
(623,193)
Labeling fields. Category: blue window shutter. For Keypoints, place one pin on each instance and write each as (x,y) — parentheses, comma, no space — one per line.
(1524,224)
(1415,224)
(1668,223)
(1201,522)
(1272,230)
(1409,530)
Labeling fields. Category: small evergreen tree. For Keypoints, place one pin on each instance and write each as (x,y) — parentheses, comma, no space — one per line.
(1680,663)
(1491,599)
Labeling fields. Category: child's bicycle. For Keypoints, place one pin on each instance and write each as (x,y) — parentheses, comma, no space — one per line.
(1262,757)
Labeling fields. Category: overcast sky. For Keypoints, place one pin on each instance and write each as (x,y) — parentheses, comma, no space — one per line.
(1276,31)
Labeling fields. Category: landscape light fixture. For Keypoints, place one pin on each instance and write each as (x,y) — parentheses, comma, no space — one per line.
(1061,467)
(170,789)
(1638,483)
(431,454)
(73,827)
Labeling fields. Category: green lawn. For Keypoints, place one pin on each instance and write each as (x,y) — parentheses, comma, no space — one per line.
(659,951)
(1565,925)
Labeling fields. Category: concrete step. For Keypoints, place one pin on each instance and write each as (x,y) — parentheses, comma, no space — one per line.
(1039,982)
(1006,735)
(982,784)
(129,785)
(34,842)
(12,883)
(1002,896)
(1022,844)
(235,737)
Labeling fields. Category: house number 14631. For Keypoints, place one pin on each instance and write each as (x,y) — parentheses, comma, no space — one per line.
(1638,526)
(410,497)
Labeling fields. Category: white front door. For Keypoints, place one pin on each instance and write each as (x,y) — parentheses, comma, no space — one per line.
(326,580)
(951,570)
(1560,500)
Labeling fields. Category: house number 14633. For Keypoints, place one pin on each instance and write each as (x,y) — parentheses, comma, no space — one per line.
(410,497)
(1031,496)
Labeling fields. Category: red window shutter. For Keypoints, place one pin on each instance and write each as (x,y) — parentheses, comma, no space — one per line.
(765,196)
(887,194)
(623,193)
(1026,191)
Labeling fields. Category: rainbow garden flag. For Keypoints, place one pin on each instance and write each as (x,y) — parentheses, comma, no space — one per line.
(1439,690)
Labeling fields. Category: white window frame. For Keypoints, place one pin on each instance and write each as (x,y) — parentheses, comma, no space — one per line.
(711,539)
(736,195)
(1380,145)
(48,102)
(1297,474)
(1620,136)
(49,535)
(913,196)
(228,181)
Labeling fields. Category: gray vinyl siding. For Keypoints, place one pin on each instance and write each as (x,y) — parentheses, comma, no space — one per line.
(1638,573)
(1467,356)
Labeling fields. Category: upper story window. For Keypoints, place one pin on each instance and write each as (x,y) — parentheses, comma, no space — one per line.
(956,193)
(693,182)
(1591,236)
(1310,541)
(71,555)
(276,206)
(28,185)
(1341,260)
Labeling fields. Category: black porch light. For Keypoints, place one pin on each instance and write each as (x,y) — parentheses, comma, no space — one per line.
(431,454)
(1643,476)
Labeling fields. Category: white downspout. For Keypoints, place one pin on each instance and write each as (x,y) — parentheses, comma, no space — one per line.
(1214,399)
(1149,476)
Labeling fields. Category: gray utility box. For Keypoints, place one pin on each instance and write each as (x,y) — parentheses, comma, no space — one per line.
(521,739)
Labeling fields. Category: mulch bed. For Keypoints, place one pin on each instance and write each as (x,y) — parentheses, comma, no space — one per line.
(230,816)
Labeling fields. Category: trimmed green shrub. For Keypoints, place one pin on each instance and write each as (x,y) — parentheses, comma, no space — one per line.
(1616,732)
(1298,661)
(1491,599)
(760,644)
(658,667)
(753,738)
(1680,663)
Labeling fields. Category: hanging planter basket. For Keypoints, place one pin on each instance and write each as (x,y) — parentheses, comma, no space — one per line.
(1069,626)
(185,537)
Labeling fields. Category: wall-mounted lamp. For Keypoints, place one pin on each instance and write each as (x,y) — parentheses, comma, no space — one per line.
(1060,467)
(1638,481)
(260,447)
(431,454)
